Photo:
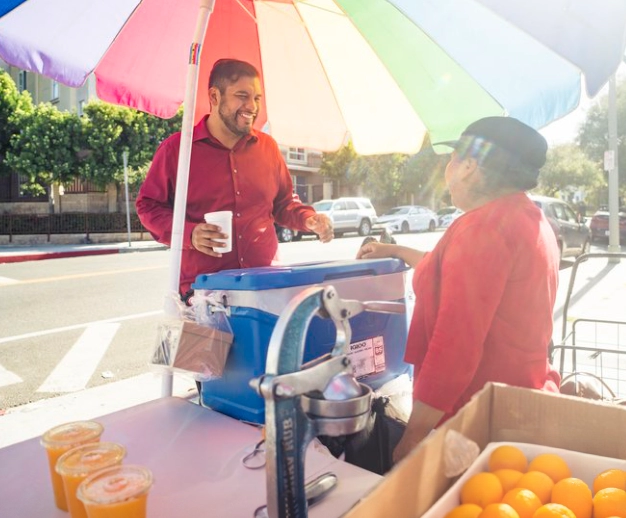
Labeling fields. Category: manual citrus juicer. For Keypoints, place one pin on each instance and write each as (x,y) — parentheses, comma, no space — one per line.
(321,397)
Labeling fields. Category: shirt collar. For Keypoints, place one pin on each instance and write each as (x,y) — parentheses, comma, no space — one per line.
(201,131)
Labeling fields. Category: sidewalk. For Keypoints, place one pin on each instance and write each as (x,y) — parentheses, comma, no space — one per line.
(18,254)
(599,293)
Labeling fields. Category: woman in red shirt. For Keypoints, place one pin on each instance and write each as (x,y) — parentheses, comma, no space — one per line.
(484,296)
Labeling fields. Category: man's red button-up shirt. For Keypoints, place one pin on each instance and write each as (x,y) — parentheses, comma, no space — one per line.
(251,180)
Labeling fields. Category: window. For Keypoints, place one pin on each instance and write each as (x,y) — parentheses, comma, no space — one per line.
(351,205)
(21,80)
(54,90)
(296,154)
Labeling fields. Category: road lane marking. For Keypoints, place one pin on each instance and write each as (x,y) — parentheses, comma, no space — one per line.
(83,275)
(4,281)
(8,378)
(76,368)
(78,326)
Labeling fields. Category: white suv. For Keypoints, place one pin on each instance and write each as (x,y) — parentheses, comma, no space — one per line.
(349,214)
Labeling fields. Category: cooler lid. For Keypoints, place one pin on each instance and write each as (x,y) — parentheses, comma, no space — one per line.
(272,277)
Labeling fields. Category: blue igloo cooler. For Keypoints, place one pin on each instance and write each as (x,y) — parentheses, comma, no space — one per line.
(257,296)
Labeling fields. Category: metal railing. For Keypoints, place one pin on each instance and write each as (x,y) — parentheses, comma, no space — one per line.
(72,223)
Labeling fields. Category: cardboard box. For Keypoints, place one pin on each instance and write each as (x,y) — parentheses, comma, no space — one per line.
(498,413)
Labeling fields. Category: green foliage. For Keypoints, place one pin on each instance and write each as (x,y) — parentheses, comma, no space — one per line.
(45,150)
(13,105)
(336,166)
(423,176)
(389,179)
(381,176)
(568,168)
(593,135)
(109,131)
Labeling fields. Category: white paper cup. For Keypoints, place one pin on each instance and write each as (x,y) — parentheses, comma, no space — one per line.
(224,220)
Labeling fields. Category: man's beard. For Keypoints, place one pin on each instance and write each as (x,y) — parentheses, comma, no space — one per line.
(230,121)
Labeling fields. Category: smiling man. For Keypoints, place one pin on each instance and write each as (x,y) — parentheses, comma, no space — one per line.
(233,168)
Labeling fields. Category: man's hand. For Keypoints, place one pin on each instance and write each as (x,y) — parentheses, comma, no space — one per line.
(322,226)
(203,239)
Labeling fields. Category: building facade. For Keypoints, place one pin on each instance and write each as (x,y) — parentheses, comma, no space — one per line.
(304,164)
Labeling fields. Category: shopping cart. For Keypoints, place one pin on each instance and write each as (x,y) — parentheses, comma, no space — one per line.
(591,357)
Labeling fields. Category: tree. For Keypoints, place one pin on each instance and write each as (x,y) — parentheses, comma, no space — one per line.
(336,165)
(423,176)
(593,135)
(568,167)
(380,176)
(109,131)
(45,150)
(13,105)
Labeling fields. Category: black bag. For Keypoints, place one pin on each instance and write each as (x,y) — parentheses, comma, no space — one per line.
(372,448)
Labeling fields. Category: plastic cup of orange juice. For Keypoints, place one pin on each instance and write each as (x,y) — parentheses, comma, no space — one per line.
(117,492)
(62,438)
(74,466)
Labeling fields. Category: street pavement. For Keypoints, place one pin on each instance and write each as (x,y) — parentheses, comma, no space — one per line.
(598,293)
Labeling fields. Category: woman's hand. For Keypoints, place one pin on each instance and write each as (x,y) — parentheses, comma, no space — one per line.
(376,250)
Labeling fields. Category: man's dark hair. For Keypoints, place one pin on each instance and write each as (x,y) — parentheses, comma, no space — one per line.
(228,71)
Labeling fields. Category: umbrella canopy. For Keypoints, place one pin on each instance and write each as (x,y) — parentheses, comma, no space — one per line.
(380,72)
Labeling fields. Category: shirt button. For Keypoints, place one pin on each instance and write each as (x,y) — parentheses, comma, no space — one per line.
(234,170)
(239,237)
(237,193)
(241,259)
(238,215)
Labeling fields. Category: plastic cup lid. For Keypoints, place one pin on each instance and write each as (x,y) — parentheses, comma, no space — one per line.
(68,434)
(114,485)
(88,458)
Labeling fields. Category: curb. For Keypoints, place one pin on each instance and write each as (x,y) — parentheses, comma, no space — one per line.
(38,256)
(52,255)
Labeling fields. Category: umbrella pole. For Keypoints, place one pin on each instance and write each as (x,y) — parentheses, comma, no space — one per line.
(614,244)
(182,176)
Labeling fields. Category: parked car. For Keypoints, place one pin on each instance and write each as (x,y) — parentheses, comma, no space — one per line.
(572,234)
(447,215)
(407,218)
(600,225)
(349,214)
(286,235)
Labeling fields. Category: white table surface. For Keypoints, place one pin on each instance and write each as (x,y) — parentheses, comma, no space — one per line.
(195,456)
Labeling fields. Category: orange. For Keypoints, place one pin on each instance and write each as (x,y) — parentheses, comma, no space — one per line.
(465,511)
(552,465)
(609,502)
(508,478)
(498,510)
(524,501)
(507,457)
(481,489)
(574,494)
(610,478)
(539,483)
(553,511)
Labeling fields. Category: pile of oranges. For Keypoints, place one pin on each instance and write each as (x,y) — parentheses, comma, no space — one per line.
(513,487)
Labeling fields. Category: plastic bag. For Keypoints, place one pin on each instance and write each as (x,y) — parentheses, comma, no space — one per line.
(372,448)
(198,343)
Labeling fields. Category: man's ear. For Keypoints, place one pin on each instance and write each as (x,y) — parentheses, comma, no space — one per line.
(214,96)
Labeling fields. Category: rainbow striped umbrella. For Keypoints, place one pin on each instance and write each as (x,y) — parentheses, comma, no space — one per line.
(381,72)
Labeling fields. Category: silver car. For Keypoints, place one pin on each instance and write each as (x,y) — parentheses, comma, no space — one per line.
(349,214)
(407,218)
